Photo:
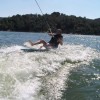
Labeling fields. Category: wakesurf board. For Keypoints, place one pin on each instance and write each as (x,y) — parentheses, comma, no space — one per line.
(29,48)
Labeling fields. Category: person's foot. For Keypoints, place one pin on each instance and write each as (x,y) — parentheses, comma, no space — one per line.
(31,42)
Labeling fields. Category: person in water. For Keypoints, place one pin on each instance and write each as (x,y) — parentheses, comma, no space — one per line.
(56,39)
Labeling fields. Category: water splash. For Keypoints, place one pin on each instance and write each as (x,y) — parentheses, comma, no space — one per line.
(39,75)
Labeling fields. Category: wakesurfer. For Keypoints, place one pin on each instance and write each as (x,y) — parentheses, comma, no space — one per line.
(56,39)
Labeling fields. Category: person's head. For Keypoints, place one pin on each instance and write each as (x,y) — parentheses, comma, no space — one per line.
(59,31)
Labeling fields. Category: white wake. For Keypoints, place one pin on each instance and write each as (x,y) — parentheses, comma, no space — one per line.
(39,75)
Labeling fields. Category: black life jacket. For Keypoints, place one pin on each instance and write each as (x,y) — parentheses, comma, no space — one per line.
(54,40)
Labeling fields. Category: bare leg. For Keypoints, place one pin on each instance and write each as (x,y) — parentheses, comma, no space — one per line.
(38,42)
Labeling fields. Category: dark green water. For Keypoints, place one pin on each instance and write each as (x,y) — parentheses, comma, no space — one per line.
(84,83)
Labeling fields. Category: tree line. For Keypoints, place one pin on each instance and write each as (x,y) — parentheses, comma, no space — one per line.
(39,23)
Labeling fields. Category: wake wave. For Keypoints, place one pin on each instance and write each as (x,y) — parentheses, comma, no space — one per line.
(39,75)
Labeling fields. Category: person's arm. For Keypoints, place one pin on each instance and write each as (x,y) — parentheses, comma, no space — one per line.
(50,32)
(60,40)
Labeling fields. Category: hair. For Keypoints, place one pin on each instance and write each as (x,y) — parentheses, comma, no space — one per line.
(59,30)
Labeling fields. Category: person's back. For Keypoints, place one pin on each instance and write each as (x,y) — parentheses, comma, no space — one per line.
(55,40)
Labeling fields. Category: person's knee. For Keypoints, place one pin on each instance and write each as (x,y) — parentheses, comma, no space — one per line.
(42,41)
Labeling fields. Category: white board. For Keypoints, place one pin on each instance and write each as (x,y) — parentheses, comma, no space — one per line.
(29,48)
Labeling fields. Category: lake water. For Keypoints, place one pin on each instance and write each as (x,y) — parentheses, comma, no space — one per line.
(71,72)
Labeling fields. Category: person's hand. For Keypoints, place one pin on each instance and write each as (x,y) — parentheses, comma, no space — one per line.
(50,32)
(60,41)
